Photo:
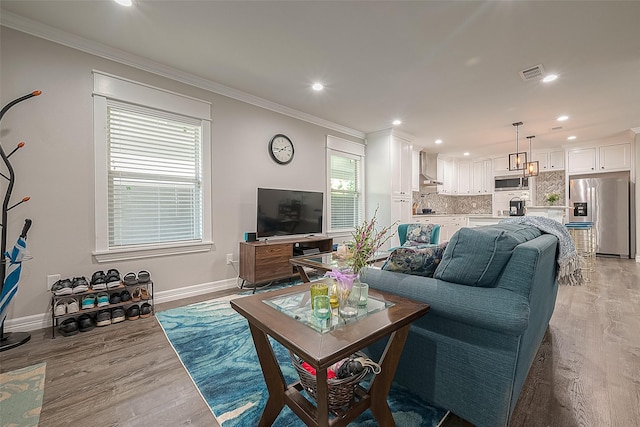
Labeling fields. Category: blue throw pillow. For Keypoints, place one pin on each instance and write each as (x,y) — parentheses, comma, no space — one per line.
(476,256)
(418,261)
(418,234)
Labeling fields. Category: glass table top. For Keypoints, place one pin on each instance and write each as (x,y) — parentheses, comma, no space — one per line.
(331,260)
(298,306)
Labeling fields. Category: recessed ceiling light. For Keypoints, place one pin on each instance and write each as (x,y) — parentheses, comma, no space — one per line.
(124,2)
(571,138)
(438,141)
(549,78)
(562,118)
(317,86)
(466,153)
(397,122)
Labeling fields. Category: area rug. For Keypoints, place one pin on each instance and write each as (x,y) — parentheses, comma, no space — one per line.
(215,346)
(21,393)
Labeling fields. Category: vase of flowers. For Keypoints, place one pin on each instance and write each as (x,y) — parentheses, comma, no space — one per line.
(367,240)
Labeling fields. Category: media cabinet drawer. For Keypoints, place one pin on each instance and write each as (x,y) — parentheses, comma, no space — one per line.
(275,251)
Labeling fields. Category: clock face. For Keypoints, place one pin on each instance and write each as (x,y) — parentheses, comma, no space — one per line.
(281,149)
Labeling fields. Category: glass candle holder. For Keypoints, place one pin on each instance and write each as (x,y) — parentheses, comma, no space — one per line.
(316,289)
(321,307)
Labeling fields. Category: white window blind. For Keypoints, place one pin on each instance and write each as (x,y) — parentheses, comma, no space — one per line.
(155,193)
(346,200)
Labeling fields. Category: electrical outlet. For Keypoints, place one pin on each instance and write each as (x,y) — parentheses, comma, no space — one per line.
(51,279)
(473,205)
(229,258)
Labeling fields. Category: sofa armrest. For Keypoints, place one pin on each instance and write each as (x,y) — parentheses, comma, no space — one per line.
(495,309)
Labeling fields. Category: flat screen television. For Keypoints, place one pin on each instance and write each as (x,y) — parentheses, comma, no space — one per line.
(289,212)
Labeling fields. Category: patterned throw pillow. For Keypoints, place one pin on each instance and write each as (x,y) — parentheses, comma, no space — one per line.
(418,234)
(418,261)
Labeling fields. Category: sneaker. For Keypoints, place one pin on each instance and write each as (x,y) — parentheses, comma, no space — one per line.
(114,298)
(99,281)
(79,284)
(113,279)
(60,308)
(103,318)
(117,315)
(88,301)
(125,296)
(103,299)
(86,323)
(68,327)
(133,313)
(145,310)
(62,287)
(72,306)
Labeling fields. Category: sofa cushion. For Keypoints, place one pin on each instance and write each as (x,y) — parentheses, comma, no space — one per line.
(418,234)
(419,261)
(476,256)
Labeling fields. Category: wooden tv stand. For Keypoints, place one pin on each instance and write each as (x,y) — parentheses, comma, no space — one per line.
(265,261)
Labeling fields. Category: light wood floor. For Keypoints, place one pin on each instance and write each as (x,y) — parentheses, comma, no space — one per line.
(587,371)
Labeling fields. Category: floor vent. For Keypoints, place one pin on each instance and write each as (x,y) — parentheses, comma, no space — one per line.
(532,73)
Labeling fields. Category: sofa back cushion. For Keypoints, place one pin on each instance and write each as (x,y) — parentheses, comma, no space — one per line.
(419,260)
(476,256)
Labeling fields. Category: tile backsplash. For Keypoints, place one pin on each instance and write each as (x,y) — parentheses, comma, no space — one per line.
(440,203)
(550,182)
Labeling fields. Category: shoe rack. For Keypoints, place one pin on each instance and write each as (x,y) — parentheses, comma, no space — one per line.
(57,319)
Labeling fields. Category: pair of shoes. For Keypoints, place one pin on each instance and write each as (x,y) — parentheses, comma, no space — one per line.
(99,281)
(69,327)
(103,318)
(117,315)
(142,278)
(86,323)
(145,310)
(113,279)
(88,301)
(133,312)
(65,306)
(103,299)
(79,285)
(62,287)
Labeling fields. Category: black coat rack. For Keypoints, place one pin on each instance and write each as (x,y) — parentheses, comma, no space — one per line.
(13,339)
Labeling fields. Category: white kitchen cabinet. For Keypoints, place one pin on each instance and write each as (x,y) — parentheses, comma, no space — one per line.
(448,174)
(482,182)
(501,165)
(401,166)
(464,178)
(401,212)
(549,161)
(605,158)
(415,170)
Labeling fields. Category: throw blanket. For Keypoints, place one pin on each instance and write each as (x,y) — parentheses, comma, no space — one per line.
(569,261)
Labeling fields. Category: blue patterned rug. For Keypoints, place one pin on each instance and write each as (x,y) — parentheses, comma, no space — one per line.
(215,346)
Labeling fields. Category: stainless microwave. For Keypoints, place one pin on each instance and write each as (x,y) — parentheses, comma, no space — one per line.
(510,183)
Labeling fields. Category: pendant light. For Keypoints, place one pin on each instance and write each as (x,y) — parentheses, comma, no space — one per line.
(517,160)
(532,168)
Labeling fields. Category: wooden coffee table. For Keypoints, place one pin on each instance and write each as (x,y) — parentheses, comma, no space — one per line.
(323,345)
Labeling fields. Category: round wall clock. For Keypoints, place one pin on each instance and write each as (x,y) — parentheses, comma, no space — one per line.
(281,149)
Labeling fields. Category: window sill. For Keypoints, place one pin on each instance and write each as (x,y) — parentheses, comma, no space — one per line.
(150,252)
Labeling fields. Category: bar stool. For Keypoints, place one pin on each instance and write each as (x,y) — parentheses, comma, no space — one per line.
(583,235)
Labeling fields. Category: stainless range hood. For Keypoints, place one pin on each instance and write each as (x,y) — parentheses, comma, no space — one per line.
(429,169)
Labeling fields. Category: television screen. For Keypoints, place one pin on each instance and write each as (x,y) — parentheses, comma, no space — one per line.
(289,212)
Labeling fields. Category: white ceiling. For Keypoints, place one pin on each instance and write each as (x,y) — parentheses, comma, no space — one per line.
(447,69)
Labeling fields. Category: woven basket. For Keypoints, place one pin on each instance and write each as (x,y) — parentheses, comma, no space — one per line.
(341,391)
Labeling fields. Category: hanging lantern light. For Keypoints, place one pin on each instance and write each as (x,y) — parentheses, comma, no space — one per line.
(532,168)
(517,160)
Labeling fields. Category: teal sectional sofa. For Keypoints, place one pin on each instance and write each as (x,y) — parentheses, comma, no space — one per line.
(491,301)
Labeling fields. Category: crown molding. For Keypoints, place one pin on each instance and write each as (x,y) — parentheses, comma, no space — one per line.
(635,130)
(25,25)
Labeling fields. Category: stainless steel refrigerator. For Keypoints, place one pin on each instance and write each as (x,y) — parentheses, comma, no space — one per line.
(604,200)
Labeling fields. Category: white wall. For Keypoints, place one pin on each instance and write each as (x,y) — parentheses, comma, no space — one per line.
(56,168)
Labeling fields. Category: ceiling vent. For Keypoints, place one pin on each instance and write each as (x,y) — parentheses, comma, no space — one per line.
(532,73)
(557,128)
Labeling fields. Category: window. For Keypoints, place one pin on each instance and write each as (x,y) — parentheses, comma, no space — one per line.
(345,184)
(151,173)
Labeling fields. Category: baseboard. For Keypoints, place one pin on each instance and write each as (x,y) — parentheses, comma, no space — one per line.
(43,320)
